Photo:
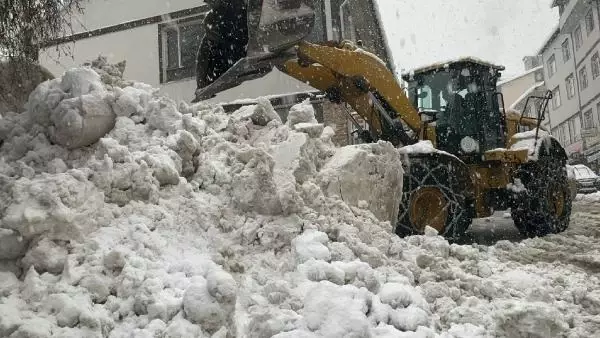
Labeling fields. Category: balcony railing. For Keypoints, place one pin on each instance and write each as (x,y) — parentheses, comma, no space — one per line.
(589,131)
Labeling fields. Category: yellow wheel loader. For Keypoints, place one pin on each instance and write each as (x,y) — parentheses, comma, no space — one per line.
(464,155)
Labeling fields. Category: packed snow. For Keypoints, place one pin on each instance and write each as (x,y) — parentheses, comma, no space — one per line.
(184,221)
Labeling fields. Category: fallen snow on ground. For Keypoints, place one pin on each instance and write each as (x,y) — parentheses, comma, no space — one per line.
(593,197)
(183,221)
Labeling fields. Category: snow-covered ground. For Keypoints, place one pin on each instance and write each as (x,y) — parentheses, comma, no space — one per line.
(183,221)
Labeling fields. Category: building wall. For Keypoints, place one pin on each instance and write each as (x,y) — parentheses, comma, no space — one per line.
(104,13)
(591,45)
(568,107)
(139,46)
(514,89)
(571,116)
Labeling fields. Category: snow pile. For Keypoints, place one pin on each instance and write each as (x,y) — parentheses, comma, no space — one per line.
(527,140)
(183,221)
(122,211)
(590,198)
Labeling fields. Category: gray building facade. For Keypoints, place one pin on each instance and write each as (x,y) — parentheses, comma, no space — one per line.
(571,60)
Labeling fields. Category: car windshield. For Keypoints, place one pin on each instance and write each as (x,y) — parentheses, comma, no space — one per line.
(455,96)
(582,172)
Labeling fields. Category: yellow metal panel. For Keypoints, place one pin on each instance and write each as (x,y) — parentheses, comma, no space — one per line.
(349,62)
(507,156)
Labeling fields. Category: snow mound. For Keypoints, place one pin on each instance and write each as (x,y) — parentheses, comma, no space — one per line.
(184,221)
(125,212)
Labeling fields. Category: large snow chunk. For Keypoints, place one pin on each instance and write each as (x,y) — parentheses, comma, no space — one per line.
(9,320)
(46,256)
(130,101)
(311,245)
(401,296)
(181,328)
(8,283)
(165,168)
(253,188)
(164,116)
(202,309)
(81,81)
(34,328)
(333,311)
(535,319)
(76,109)
(81,121)
(366,172)
(409,319)
(61,205)
(12,245)
(302,112)
(222,286)
(264,113)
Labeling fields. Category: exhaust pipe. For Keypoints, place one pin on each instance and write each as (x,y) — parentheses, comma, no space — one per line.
(245,39)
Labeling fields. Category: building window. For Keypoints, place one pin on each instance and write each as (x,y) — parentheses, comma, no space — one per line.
(588,120)
(566,51)
(551,66)
(570,82)
(180,41)
(578,38)
(583,81)
(589,22)
(556,98)
(598,111)
(595,66)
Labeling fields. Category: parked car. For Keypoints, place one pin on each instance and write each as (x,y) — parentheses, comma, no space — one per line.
(587,180)
(572,181)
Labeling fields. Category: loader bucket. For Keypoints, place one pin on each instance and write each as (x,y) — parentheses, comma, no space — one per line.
(245,39)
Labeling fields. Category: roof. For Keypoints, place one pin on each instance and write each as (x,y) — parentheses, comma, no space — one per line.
(445,64)
(526,94)
(549,39)
(532,70)
(557,2)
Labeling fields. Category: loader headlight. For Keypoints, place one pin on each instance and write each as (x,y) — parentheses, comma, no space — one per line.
(469,145)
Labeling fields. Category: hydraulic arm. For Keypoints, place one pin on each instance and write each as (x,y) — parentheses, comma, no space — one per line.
(351,75)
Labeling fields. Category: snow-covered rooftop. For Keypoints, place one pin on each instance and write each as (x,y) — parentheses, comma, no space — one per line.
(526,94)
(532,70)
(551,36)
(446,63)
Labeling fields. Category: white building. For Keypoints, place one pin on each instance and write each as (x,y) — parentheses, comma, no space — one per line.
(159,41)
(571,58)
(517,90)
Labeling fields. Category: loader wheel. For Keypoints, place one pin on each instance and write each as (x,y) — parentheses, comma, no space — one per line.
(434,194)
(545,207)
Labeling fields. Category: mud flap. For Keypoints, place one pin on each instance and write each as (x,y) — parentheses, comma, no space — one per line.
(245,39)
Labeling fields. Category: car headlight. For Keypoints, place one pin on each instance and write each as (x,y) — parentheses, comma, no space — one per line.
(469,145)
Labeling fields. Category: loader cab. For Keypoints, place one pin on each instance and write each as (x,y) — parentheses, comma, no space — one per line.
(459,99)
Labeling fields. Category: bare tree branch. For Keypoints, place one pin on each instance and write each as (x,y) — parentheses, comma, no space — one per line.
(25,24)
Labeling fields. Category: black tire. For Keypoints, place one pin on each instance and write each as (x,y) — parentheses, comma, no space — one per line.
(451,177)
(535,211)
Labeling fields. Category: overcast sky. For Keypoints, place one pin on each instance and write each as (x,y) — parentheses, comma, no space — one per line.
(500,31)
